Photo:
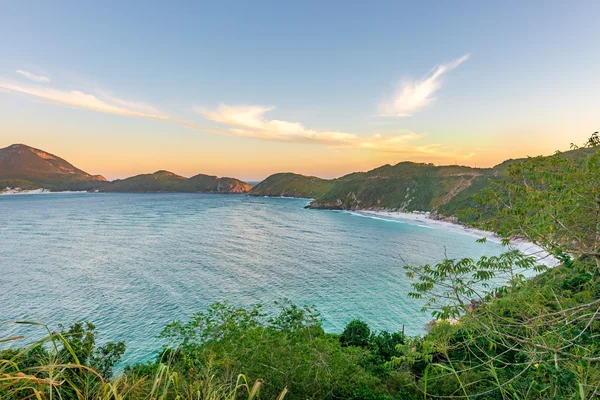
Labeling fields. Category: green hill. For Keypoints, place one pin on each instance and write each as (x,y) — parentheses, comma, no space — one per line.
(292,185)
(30,168)
(405,186)
(165,181)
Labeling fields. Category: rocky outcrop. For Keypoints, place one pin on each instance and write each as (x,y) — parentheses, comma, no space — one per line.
(439,217)
(231,185)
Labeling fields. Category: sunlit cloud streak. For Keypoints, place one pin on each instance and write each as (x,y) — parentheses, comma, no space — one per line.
(78,99)
(33,77)
(413,95)
(250,121)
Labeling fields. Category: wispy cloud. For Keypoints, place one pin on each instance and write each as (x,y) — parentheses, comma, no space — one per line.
(77,99)
(250,121)
(142,108)
(413,95)
(242,121)
(33,77)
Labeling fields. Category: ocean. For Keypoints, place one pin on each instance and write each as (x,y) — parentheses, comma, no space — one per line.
(131,263)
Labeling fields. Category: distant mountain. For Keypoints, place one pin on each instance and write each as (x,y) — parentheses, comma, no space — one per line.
(26,167)
(407,186)
(30,168)
(292,185)
(165,181)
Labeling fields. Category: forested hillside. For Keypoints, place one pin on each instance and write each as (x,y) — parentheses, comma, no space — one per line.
(447,191)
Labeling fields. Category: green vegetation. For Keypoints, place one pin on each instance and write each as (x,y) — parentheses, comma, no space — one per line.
(533,339)
(519,338)
(406,186)
(498,332)
(446,191)
(465,201)
(165,181)
(284,354)
(291,185)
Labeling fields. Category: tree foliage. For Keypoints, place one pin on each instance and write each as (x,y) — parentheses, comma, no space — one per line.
(288,351)
(502,335)
(356,333)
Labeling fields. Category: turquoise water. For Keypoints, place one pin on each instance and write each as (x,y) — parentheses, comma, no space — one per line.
(131,263)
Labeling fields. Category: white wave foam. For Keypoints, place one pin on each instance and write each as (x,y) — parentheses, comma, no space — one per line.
(526,248)
(18,191)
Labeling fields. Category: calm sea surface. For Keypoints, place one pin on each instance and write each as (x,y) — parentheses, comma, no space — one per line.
(131,263)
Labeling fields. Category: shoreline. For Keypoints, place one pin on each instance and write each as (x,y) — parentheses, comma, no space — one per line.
(523,246)
(277,197)
(15,192)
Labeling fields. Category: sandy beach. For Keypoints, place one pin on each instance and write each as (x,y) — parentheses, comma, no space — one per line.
(17,191)
(523,246)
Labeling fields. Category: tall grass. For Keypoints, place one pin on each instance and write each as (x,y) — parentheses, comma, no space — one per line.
(51,379)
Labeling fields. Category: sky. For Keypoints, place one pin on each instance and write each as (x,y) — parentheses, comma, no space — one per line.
(325,88)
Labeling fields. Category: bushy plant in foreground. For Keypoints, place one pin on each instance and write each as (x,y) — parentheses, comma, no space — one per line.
(288,351)
(286,354)
(519,338)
